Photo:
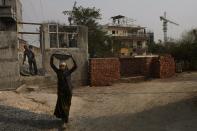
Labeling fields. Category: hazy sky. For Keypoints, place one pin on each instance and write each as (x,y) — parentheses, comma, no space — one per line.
(146,12)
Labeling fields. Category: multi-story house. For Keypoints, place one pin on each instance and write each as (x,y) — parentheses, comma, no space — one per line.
(127,39)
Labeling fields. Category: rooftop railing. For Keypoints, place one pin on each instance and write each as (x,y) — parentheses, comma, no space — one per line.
(136,35)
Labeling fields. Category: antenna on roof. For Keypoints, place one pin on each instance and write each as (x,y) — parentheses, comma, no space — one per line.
(120,19)
(70,14)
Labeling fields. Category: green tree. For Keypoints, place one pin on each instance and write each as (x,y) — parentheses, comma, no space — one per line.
(98,41)
(184,50)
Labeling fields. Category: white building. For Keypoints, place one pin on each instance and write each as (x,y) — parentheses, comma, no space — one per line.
(128,40)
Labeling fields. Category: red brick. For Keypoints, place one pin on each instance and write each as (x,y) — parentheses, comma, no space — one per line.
(104,71)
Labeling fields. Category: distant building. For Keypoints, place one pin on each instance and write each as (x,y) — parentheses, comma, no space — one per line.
(127,39)
(151,37)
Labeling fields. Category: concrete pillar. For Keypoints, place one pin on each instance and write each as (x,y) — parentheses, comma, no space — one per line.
(9,65)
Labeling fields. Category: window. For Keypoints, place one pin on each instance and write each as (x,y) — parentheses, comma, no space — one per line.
(63,36)
(53,40)
(139,45)
(53,28)
(131,45)
(63,40)
(72,40)
(113,32)
(53,36)
(70,29)
(2,2)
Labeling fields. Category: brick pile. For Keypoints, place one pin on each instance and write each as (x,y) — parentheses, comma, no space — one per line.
(157,67)
(104,71)
(147,66)
(167,66)
(130,67)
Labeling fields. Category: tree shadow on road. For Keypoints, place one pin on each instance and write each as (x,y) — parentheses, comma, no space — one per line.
(179,116)
(17,119)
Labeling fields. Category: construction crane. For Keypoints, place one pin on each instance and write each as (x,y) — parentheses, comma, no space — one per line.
(165,26)
(70,14)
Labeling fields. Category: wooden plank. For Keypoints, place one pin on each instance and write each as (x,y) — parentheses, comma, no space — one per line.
(33,33)
(29,23)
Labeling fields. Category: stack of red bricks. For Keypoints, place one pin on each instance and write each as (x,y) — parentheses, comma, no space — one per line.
(104,71)
(167,66)
(158,67)
(130,67)
(155,68)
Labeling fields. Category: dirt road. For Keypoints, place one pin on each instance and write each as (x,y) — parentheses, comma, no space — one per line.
(155,105)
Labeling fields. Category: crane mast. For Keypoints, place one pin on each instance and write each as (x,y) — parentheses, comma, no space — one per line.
(165,26)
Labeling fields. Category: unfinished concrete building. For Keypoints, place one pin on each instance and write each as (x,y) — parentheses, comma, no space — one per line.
(58,38)
(10,13)
(128,40)
(69,39)
(53,38)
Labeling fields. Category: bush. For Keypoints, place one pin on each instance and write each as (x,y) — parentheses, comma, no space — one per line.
(184,50)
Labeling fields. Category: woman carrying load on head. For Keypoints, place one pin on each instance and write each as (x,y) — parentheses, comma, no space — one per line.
(64,90)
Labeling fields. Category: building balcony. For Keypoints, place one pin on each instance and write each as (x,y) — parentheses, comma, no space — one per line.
(137,35)
(7,13)
(130,36)
(140,51)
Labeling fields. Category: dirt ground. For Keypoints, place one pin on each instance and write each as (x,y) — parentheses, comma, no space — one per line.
(154,105)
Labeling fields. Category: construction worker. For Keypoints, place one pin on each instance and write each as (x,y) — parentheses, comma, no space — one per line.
(64,90)
(31,59)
